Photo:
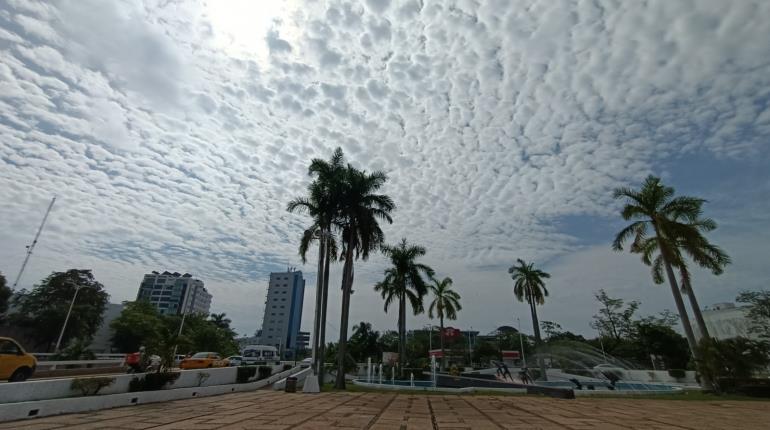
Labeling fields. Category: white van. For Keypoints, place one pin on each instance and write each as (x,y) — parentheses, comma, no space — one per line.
(260,354)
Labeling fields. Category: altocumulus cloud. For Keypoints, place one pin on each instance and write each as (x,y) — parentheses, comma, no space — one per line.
(500,123)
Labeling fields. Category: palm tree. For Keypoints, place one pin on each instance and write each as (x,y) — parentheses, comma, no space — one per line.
(221,320)
(322,206)
(676,225)
(528,285)
(703,253)
(445,304)
(360,210)
(404,281)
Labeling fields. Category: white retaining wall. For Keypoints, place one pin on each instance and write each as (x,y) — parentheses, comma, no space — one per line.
(39,408)
(47,389)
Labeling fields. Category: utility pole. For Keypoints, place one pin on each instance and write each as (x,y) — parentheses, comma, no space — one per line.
(67,318)
(31,247)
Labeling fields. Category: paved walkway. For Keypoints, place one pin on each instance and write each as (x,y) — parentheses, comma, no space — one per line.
(376,411)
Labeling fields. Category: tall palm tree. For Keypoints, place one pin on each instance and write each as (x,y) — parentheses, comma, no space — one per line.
(445,304)
(404,282)
(675,223)
(221,320)
(360,211)
(694,245)
(528,285)
(322,205)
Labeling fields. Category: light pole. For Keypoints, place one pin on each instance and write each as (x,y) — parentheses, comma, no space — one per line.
(67,318)
(521,344)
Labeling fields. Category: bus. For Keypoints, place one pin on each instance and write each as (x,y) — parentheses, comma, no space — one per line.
(260,354)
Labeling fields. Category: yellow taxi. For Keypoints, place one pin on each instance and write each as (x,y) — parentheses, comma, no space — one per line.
(15,364)
(203,360)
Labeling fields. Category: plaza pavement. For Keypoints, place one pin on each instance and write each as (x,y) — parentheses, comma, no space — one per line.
(385,411)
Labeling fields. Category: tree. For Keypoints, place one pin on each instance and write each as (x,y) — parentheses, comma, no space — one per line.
(204,335)
(388,341)
(364,342)
(360,210)
(136,326)
(656,338)
(614,321)
(758,313)
(221,321)
(655,208)
(404,282)
(734,358)
(445,304)
(528,285)
(5,296)
(44,309)
(322,204)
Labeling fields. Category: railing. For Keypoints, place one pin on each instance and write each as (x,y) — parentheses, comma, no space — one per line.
(46,356)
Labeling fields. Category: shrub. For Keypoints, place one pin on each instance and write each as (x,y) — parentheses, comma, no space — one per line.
(152,381)
(245,373)
(677,373)
(91,386)
(722,362)
(264,372)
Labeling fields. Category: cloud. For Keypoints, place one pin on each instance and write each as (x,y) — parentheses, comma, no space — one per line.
(503,129)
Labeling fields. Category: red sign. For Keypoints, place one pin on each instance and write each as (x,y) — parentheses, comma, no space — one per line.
(451,333)
(511,355)
(435,353)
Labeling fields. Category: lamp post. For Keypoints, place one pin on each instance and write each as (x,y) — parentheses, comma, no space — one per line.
(67,318)
(521,344)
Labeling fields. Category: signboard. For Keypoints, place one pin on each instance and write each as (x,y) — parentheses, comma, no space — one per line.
(451,333)
(435,353)
(511,355)
(389,358)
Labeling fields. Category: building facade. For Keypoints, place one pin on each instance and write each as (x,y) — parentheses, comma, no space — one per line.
(174,293)
(283,312)
(725,320)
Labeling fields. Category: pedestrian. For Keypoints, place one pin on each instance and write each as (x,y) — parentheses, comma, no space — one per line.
(524,376)
(500,372)
(507,372)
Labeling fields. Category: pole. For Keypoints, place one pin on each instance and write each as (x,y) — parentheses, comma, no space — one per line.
(521,344)
(67,318)
(604,354)
(184,314)
(34,242)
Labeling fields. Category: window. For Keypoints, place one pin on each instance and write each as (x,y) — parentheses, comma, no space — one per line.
(282,306)
(9,348)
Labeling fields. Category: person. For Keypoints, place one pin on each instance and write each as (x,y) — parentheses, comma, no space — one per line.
(524,376)
(507,372)
(499,372)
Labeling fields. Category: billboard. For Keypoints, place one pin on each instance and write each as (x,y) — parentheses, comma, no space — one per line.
(389,358)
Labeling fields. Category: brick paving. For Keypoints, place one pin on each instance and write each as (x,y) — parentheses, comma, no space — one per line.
(385,411)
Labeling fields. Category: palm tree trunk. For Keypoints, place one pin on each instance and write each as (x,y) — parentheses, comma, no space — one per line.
(322,346)
(318,302)
(696,309)
(538,340)
(441,340)
(401,334)
(678,298)
(343,342)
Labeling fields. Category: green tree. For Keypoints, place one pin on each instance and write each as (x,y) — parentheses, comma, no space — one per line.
(221,321)
(44,309)
(735,358)
(445,304)
(615,318)
(323,205)
(528,285)
(388,341)
(655,208)
(360,211)
(404,282)
(656,338)
(758,313)
(5,296)
(136,326)
(364,342)
(205,335)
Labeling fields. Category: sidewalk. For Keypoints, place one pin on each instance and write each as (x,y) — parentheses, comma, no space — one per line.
(386,411)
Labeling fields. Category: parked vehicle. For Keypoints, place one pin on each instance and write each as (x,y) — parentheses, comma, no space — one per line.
(203,360)
(16,365)
(138,363)
(235,360)
(260,354)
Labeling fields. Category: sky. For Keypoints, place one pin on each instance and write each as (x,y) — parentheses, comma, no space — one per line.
(174,132)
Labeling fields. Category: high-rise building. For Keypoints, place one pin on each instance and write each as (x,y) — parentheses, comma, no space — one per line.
(174,293)
(283,312)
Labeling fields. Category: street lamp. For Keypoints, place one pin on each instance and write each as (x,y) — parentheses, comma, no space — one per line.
(67,318)
(521,344)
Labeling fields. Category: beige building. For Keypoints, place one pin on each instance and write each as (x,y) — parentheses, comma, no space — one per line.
(725,320)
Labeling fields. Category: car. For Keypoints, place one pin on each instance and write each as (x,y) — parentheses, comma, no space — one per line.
(16,365)
(203,360)
(235,360)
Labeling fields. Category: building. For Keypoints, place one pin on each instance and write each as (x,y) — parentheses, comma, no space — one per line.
(725,320)
(174,293)
(303,341)
(283,312)
(102,341)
